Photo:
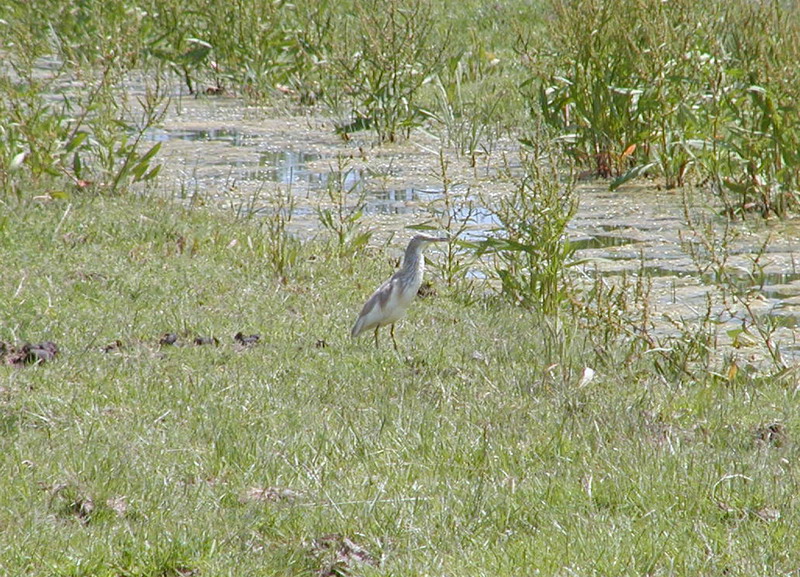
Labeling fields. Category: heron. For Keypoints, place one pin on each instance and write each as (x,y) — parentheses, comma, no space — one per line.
(390,301)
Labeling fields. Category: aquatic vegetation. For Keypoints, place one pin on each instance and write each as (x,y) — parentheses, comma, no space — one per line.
(530,247)
(390,54)
(341,210)
(69,125)
(671,89)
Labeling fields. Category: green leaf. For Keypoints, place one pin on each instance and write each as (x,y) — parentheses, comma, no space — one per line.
(734,186)
(151,153)
(197,53)
(422,226)
(138,170)
(468,244)
(634,172)
(493,245)
(325,218)
(76,141)
(152,174)
(76,165)
(754,89)
(356,216)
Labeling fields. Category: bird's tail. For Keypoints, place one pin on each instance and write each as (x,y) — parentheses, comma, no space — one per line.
(358,328)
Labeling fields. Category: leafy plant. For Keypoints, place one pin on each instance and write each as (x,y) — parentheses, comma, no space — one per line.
(89,138)
(761,152)
(454,213)
(279,247)
(592,97)
(531,252)
(648,92)
(387,53)
(342,217)
(466,106)
(738,285)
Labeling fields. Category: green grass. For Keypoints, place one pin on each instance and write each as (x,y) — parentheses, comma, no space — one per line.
(472,452)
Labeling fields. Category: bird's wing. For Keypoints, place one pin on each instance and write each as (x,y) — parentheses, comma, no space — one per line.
(373,311)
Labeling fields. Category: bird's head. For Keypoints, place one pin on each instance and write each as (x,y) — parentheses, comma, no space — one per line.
(418,244)
(423,240)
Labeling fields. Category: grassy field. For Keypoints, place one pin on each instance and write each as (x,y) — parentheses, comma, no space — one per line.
(475,450)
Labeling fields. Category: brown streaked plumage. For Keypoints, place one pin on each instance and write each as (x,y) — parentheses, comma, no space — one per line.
(390,301)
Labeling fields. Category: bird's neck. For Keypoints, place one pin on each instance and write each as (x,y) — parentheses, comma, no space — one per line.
(413,259)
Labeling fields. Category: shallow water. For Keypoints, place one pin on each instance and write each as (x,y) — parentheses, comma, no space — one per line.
(223,153)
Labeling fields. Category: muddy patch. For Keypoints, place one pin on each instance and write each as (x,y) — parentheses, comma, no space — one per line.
(28,353)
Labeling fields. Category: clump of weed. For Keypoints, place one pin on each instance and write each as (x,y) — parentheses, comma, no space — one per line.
(341,211)
(454,213)
(389,54)
(468,101)
(645,92)
(279,245)
(70,127)
(738,284)
(530,250)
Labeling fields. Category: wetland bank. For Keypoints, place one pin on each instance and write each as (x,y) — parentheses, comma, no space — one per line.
(600,379)
(221,154)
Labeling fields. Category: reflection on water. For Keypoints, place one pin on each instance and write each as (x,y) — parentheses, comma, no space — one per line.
(303,170)
(290,167)
(230,135)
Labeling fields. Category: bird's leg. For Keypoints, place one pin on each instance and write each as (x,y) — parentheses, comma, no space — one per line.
(376,337)
(391,331)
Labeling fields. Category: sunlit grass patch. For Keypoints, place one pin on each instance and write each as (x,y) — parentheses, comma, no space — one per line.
(479,447)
